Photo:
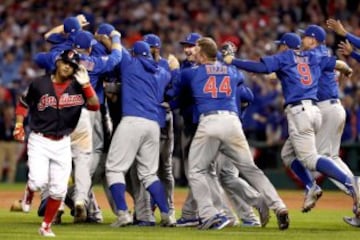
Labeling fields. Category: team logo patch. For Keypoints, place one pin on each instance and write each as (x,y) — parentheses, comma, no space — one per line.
(65,101)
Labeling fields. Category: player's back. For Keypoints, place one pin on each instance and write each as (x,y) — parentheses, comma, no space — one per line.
(141,86)
(213,86)
(298,72)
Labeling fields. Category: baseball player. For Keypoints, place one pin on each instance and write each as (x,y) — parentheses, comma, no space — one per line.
(138,133)
(328,137)
(143,209)
(83,162)
(213,86)
(54,104)
(299,72)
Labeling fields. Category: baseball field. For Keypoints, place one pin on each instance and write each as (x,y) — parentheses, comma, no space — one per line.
(323,222)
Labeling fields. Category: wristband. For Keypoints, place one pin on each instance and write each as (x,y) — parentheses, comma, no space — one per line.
(19,124)
(88,91)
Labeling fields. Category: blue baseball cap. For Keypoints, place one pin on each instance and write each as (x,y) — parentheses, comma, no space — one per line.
(314,31)
(153,40)
(191,38)
(141,48)
(105,28)
(292,40)
(71,25)
(84,40)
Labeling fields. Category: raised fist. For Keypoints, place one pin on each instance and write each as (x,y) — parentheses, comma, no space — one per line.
(19,132)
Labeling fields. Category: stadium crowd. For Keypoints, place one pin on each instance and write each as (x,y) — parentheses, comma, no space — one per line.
(251,25)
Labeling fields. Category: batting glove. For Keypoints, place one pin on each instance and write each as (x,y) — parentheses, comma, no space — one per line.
(19,132)
(228,49)
(82,76)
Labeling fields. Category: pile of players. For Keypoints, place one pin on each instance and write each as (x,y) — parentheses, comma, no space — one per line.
(127,143)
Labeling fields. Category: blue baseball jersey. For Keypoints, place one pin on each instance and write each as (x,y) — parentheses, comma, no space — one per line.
(298,72)
(213,86)
(328,86)
(143,86)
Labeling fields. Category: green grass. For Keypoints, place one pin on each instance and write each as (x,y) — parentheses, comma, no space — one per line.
(317,225)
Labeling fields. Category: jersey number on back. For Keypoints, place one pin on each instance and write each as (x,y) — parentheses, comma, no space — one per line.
(210,86)
(305,73)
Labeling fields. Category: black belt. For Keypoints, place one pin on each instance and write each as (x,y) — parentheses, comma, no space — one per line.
(297,103)
(219,112)
(49,136)
(334,101)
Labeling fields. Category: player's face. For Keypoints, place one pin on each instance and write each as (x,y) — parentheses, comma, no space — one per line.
(307,42)
(197,54)
(189,51)
(64,69)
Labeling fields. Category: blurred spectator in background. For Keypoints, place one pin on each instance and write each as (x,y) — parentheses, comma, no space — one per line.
(10,150)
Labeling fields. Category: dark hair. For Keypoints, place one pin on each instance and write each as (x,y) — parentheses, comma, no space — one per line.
(208,47)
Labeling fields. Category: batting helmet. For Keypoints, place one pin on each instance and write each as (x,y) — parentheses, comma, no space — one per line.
(70,56)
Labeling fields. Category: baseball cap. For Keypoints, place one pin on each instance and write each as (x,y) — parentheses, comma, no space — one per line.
(105,28)
(141,48)
(314,31)
(153,40)
(292,40)
(71,24)
(70,56)
(84,40)
(191,38)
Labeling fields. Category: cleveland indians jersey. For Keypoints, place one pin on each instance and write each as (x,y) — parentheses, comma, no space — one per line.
(51,114)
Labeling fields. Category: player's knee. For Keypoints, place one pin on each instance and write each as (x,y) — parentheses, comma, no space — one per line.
(287,158)
(310,161)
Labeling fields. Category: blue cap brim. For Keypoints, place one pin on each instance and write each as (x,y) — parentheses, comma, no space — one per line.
(186,42)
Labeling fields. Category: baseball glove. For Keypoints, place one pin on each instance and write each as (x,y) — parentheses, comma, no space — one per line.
(16,206)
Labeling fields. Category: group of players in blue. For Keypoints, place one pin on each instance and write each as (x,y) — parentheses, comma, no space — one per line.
(209,90)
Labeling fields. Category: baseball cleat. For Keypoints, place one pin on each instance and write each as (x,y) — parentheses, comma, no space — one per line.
(27,200)
(80,213)
(168,220)
(264,212)
(250,223)
(283,219)
(57,218)
(355,193)
(187,222)
(224,221)
(352,221)
(311,197)
(45,230)
(124,218)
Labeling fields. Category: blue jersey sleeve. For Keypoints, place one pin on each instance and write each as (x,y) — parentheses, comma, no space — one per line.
(103,64)
(250,66)
(355,55)
(56,38)
(46,60)
(353,39)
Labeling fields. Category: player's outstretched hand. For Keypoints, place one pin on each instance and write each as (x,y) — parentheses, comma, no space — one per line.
(19,132)
(82,20)
(336,26)
(345,48)
(173,62)
(82,76)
